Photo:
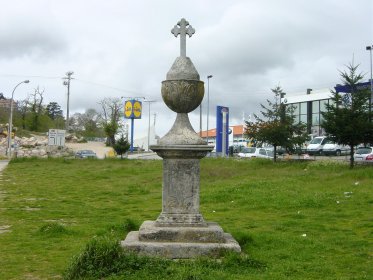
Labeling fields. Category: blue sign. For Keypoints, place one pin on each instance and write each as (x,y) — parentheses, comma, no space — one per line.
(348,89)
(219,128)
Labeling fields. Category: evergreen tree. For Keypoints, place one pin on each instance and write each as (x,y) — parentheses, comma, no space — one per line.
(278,127)
(121,146)
(54,110)
(347,120)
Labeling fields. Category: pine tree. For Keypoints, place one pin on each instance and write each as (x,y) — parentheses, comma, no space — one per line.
(121,146)
(348,120)
(278,127)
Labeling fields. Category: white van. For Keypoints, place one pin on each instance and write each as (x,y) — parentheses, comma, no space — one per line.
(316,145)
(331,148)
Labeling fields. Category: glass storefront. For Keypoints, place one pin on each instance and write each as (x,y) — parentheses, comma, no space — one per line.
(301,114)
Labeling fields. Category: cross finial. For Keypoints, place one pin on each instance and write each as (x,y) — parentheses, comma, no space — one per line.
(183,30)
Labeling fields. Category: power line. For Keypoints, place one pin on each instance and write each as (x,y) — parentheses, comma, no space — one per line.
(111,87)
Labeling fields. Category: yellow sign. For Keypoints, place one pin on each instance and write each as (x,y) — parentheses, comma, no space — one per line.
(128,109)
(132,109)
(137,109)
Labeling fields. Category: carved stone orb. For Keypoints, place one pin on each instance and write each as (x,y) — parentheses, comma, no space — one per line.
(182,91)
(182,96)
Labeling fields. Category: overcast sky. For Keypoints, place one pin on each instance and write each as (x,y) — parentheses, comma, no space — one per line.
(125,48)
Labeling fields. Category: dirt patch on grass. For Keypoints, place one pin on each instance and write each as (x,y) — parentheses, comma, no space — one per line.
(5,229)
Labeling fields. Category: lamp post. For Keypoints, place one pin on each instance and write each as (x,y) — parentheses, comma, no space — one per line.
(208,105)
(10,128)
(149,101)
(369,48)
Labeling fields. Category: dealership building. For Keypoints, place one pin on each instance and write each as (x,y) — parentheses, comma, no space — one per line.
(310,105)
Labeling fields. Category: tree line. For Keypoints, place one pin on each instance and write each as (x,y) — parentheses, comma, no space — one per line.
(32,114)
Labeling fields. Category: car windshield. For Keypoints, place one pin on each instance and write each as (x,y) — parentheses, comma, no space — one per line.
(363,151)
(316,140)
(250,150)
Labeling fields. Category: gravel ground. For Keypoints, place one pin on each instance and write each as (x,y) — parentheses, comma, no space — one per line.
(98,147)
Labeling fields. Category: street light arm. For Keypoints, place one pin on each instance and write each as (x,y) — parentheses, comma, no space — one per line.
(11,119)
(25,81)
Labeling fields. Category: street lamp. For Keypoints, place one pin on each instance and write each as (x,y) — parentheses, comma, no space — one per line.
(369,48)
(11,119)
(149,101)
(208,105)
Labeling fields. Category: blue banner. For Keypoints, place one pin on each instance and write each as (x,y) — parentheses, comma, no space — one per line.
(348,89)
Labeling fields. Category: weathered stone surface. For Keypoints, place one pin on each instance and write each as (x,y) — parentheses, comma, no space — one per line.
(151,232)
(180,203)
(182,69)
(179,250)
(181,133)
(182,96)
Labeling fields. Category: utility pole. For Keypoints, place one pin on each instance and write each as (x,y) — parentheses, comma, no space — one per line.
(149,101)
(208,107)
(66,82)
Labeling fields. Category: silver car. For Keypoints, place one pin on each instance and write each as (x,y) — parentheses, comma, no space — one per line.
(254,152)
(364,154)
(85,154)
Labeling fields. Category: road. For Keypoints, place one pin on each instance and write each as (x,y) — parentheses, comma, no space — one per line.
(3,164)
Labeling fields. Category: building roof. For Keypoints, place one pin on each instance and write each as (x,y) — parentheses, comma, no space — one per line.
(236,130)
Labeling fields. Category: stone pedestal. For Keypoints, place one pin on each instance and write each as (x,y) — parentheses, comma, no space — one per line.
(180,242)
(180,230)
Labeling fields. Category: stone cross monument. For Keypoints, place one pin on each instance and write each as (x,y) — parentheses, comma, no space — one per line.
(183,31)
(180,231)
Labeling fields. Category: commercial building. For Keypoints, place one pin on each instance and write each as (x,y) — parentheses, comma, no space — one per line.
(309,106)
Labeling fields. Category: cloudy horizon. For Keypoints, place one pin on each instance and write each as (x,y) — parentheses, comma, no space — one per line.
(125,48)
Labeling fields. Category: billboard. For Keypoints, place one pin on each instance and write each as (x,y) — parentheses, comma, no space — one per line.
(132,109)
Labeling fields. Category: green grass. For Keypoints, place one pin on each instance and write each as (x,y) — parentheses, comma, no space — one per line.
(309,220)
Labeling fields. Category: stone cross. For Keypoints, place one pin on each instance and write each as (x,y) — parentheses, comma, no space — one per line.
(183,30)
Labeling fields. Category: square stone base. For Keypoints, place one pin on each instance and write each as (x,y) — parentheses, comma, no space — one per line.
(180,242)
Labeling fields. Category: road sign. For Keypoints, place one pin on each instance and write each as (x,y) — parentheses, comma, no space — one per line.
(56,137)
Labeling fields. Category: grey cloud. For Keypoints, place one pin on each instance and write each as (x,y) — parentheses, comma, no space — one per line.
(20,39)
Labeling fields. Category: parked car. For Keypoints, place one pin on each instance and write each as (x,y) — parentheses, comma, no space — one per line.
(316,145)
(237,148)
(85,154)
(331,148)
(255,152)
(364,154)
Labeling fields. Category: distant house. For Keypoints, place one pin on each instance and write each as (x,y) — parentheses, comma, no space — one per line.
(237,136)
(5,103)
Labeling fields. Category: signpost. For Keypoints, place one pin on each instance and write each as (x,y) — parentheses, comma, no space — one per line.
(132,110)
(56,137)
(222,127)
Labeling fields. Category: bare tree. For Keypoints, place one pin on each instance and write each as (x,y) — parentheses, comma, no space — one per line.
(37,108)
(111,114)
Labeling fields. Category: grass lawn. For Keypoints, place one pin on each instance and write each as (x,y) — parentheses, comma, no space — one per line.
(310,220)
